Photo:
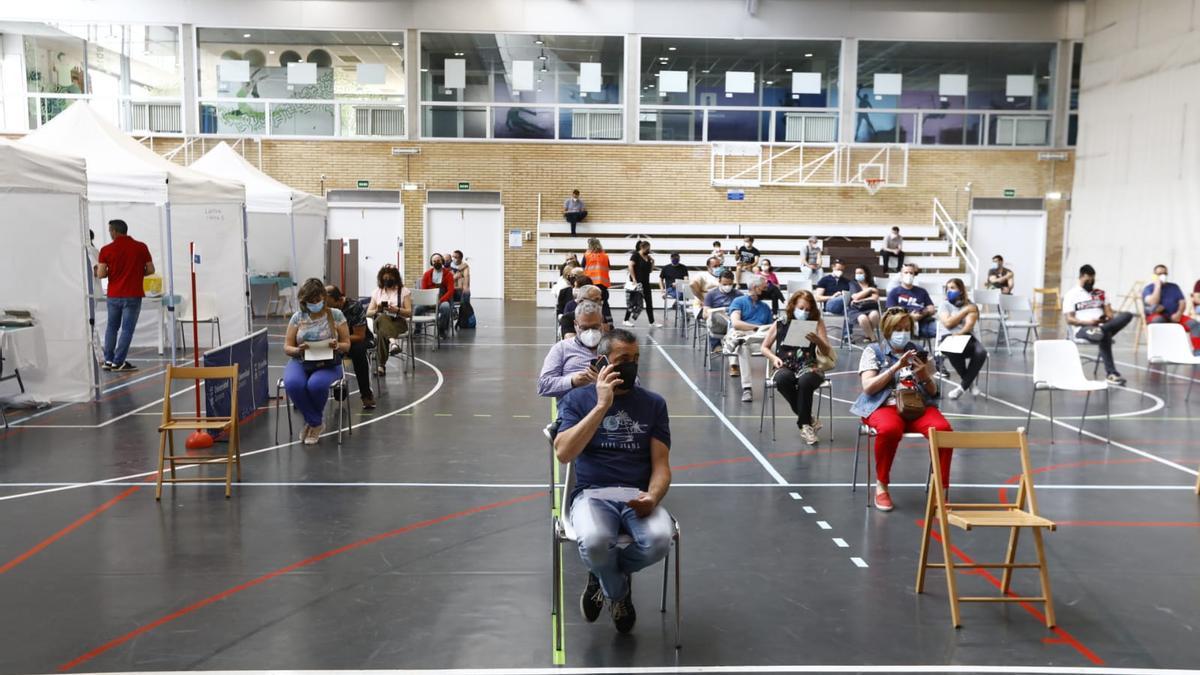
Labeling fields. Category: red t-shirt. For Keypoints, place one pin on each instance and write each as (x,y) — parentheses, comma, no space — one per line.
(126,258)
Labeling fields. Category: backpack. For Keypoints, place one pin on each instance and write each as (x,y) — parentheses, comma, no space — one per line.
(466,316)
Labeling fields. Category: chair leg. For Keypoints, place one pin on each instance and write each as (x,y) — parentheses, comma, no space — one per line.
(951,579)
(1083,420)
(1029,417)
(854,475)
(666,573)
(926,527)
(772,413)
(1191,381)
(556,596)
(678,588)
(162,452)
(829,392)
(1107,416)
(1009,556)
(1044,573)
(762,409)
(1050,395)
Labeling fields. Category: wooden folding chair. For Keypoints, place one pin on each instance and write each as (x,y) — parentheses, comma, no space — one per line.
(171,423)
(1014,515)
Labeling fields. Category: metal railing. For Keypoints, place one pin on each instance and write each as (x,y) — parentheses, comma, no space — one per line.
(146,114)
(699,124)
(958,241)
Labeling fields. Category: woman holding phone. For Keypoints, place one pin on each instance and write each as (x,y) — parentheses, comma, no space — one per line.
(391,307)
(316,327)
(799,370)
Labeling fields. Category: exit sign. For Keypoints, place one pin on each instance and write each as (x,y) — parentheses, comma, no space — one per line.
(463,185)
(1009,192)
(364,184)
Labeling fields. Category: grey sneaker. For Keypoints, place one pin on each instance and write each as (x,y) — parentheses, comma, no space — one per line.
(808,434)
(622,612)
(1114,378)
(747,396)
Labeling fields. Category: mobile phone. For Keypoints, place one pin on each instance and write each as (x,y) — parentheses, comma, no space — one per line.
(922,355)
(599,363)
(383,304)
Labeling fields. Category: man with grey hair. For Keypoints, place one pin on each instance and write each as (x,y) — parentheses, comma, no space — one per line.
(569,363)
(749,320)
(567,320)
(619,436)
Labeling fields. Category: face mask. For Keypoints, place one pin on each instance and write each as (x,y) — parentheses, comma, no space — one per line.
(1089,285)
(718,271)
(314,307)
(953,296)
(389,283)
(437,265)
(766,267)
(1162,278)
(860,278)
(996,263)
(628,374)
(589,338)
(900,338)
(726,289)
(800,314)
(906,279)
(837,274)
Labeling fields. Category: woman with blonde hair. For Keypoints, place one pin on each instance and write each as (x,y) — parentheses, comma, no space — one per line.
(799,371)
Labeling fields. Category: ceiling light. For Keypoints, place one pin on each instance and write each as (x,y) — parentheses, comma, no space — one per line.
(424,70)
(542,57)
(395,44)
(1053,195)
(245,35)
(808,55)
(770,81)
(539,41)
(788,69)
(458,53)
(544,68)
(671,49)
(705,72)
(270,51)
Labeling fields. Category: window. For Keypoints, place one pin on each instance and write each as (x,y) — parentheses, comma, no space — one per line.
(701,90)
(131,73)
(1073,114)
(954,93)
(522,86)
(301,82)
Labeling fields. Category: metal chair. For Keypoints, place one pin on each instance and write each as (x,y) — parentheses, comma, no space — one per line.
(681,314)
(427,297)
(1057,367)
(562,532)
(825,388)
(868,432)
(1168,344)
(340,392)
(1019,313)
(990,297)
(987,368)
(206,312)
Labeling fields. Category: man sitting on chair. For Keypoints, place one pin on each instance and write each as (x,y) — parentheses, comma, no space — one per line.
(568,364)
(1091,318)
(619,436)
(1166,303)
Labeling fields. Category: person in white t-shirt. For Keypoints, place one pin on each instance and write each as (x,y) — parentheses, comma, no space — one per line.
(1090,318)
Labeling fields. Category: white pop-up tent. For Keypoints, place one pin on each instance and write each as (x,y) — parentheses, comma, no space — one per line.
(275,213)
(167,207)
(44,269)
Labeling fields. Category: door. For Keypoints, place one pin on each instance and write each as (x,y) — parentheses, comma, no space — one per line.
(477,231)
(1019,236)
(378,231)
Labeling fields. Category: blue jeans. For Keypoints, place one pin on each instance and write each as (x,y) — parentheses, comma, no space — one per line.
(309,391)
(835,305)
(443,316)
(927,328)
(123,316)
(597,524)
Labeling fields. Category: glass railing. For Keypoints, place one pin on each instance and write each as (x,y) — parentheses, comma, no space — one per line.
(508,122)
(307,118)
(703,124)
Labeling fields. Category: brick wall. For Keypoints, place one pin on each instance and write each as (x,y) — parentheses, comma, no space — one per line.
(650,183)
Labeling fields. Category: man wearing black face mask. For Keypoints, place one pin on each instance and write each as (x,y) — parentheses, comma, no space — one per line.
(442,279)
(1093,319)
(619,436)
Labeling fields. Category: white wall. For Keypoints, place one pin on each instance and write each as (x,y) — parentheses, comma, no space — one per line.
(1136,198)
(883,19)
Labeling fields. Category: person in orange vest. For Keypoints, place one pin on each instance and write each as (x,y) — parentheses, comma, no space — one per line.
(596,264)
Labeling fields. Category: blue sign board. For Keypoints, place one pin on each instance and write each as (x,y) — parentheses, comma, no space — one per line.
(735,195)
(250,356)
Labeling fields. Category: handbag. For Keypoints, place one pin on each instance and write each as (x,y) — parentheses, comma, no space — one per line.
(825,362)
(909,402)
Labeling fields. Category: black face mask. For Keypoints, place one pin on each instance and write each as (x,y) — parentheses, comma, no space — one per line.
(389,283)
(628,373)
(437,265)
(1089,285)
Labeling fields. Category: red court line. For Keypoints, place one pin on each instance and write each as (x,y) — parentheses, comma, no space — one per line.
(67,530)
(1063,636)
(145,628)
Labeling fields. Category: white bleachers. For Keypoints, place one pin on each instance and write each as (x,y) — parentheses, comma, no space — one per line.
(733,232)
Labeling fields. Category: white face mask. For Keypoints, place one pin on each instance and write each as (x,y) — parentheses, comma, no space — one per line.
(837,274)
(900,338)
(590,337)
(800,314)
(726,289)
(906,278)
(1162,278)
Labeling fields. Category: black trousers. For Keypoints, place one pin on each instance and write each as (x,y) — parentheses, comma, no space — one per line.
(772,293)
(798,392)
(647,300)
(1104,337)
(969,362)
(887,256)
(362,368)
(574,217)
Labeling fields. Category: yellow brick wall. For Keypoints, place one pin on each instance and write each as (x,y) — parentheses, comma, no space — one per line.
(627,183)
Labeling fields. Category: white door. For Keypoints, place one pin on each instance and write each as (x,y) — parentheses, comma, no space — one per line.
(477,231)
(1019,236)
(380,234)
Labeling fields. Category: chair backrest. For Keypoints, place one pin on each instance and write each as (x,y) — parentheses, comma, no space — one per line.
(999,441)
(206,306)
(175,373)
(1057,362)
(568,476)
(794,285)
(1017,308)
(1043,297)
(681,287)
(1168,342)
(986,296)
(424,297)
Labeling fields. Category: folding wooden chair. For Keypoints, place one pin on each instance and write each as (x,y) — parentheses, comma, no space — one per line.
(171,423)
(1013,515)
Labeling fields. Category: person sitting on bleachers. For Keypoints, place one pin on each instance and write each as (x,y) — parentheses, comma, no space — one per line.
(958,316)
(1000,277)
(797,370)
(749,319)
(701,284)
(574,210)
(314,326)
(894,368)
(864,303)
(915,300)
(360,339)
(391,308)
(619,436)
(1164,302)
(442,279)
(1092,318)
(583,292)
(718,297)
(747,257)
(772,292)
(569,362)
(832,285)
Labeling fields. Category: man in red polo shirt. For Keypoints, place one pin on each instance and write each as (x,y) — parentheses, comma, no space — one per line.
(123,262)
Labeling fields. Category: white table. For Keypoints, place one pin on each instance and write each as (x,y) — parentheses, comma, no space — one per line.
(22,348)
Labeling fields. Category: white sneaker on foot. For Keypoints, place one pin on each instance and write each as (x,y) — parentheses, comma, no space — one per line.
(627,322)
(956,394)
(808,434)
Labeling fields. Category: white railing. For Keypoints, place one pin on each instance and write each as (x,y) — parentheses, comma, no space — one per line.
(958,241)
(807,164)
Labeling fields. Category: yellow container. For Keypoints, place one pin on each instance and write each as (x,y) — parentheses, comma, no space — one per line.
(152,285)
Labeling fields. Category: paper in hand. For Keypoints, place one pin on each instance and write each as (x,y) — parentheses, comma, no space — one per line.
(318,352)
(797,335)
(954,344)
(613,494)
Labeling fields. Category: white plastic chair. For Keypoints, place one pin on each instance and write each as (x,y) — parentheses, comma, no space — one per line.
(990,298)
(1018,314)
(206,312)
(426,297)
(1057,367)
(801,284)
(1168,344)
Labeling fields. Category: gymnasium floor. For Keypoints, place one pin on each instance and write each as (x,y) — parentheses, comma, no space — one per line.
(423,541)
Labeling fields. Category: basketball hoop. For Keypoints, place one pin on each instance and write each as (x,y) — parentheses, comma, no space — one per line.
(873,184)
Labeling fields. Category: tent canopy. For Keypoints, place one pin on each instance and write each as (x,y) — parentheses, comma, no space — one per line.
(24,167)
(263,193)
(122,170)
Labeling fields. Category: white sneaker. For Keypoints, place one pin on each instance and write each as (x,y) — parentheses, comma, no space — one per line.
(808,434)
(956,394)
(628,323)
(314,434)
(658,325)
(976,391)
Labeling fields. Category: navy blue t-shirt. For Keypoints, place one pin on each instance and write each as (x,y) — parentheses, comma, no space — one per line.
(833,285)
(1170,297)
(912,299)
(619,454)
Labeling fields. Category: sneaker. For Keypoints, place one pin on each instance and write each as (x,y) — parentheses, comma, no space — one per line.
(623,614)
(304,433)
(976,391)
(734,371)
(314,434)
(808,434)
(394,347)
(883,501)
(368,404)
(127,366)
(107,365)
(747,396)
(592,600)
(956,394)
(658,325)
(627,323)
(1114,378)
(816,424)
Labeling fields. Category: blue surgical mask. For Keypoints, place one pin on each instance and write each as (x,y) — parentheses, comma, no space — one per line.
(953,295)
(900,338)
(860,278)
(718,271)
(314,307)
(800,314)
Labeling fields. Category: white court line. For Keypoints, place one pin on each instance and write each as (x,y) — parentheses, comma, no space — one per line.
(666,670)
(859,562)
(1153,370)
(841,543)
(118,418)
(108,481)
(824,525)
(809,510)
(23,420)
(795,495)
(720,415)
(525,486)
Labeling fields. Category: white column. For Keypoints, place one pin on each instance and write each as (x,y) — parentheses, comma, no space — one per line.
(847,88)
(191,79)
(1061,97)
(412,84)
(631,86)
(14,111)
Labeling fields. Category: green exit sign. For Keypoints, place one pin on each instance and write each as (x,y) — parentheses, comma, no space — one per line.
(464,185)
(1009,192)
(364,184)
